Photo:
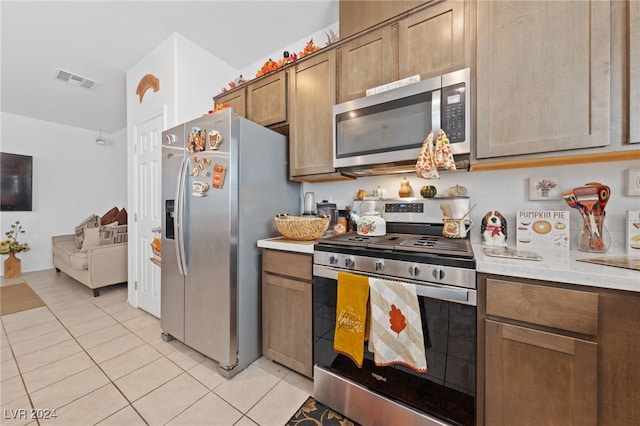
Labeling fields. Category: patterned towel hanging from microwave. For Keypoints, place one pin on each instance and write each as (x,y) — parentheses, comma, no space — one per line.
(433,157)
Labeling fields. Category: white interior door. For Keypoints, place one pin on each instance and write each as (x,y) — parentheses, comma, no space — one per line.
(147,209)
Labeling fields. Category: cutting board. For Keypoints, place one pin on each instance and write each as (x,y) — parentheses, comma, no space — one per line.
(618,262)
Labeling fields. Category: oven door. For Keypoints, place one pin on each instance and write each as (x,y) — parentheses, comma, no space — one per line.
(447,390)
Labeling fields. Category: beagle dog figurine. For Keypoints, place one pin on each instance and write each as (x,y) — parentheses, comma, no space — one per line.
(494,229)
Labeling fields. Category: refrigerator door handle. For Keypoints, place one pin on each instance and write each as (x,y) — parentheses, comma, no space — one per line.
(180,201)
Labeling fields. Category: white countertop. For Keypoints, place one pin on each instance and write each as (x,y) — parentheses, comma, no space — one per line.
(562,266)
(282,243)
(556,265)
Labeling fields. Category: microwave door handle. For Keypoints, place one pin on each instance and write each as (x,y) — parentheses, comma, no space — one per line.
(436,118)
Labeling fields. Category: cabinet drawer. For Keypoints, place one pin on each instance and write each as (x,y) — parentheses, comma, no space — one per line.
(287,263)
(564,309)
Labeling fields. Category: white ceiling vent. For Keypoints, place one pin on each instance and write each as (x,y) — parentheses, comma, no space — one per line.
(75,80)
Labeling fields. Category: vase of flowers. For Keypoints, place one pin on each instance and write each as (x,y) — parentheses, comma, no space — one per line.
(11,246)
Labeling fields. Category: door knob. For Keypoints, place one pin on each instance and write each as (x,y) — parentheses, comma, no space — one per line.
(156,230)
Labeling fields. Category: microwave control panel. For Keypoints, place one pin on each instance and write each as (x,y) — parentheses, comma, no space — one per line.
(453,112)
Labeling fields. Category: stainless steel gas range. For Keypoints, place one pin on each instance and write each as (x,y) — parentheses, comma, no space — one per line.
(443,273)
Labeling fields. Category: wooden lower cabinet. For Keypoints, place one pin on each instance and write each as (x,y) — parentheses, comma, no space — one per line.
(287,335)
(556,354)
(536,377)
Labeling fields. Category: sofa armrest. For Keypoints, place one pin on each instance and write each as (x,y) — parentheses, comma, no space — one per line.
(108,264)
(59,238)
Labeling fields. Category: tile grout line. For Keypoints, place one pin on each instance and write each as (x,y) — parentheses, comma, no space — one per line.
(92,360)
(244,414)
(15,360)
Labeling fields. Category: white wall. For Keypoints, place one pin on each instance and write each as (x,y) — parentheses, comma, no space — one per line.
(506,191)
(189,77)
(73,177)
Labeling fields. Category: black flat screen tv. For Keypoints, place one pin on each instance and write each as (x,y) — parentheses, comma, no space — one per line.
(16,182)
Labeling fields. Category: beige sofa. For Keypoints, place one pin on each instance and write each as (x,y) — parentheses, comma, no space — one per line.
(95,255)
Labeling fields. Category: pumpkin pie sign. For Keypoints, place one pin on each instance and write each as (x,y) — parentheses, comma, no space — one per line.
(543,229)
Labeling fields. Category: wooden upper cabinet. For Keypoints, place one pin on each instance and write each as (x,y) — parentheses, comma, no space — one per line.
(365,62)
(432,41)
(536,377)
(358,15)
(542,76)
(237,100)
(267,99)
(312,95)
(634,71)
(428,42)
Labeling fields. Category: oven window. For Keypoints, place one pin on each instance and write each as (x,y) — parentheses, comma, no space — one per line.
(446,391)
(394,125)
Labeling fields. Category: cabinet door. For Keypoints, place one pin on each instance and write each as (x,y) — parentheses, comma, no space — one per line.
(535,377)
(267,100)
(365,62)
(634,71)
(312,95)
(542,75)
(432,42)
(358,15)
(236,99)
(286,322)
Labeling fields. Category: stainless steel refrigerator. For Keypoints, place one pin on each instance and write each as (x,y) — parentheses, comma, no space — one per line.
(224,178)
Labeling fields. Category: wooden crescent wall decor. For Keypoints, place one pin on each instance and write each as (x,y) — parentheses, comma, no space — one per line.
(147,82)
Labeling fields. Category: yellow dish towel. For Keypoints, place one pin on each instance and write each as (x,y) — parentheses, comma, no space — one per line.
(351,316)
(396,328)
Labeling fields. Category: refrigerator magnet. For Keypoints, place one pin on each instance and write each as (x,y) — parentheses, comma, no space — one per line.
(203,170)
(215,139)
(199,188)
(219,172)
(196,140)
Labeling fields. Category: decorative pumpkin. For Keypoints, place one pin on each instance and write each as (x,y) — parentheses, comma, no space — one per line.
(428,191)
(268,66)
(405,188)
(457,191)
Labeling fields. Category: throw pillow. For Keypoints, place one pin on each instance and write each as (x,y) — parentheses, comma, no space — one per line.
(121,218)
(109,217)
(91,239)
(90,222)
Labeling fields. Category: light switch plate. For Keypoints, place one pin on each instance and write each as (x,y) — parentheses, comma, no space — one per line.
(632,183)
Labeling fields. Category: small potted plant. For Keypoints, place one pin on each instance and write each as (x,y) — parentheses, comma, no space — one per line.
(11,246)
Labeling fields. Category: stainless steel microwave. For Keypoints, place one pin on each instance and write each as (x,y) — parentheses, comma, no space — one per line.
(389,127)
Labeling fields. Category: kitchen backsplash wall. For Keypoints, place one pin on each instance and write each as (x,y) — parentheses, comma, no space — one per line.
(506,191)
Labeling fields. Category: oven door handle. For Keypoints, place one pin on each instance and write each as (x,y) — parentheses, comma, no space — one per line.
(466,296)
(443,293)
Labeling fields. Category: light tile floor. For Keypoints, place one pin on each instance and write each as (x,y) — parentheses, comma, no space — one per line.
(100,361)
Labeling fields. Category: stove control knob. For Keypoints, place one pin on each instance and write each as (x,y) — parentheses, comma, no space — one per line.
(379,265)
(349,262)
(414,270)
(438,274)
(333,259)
